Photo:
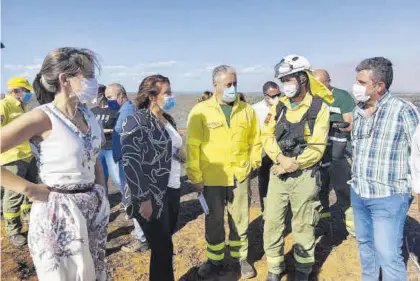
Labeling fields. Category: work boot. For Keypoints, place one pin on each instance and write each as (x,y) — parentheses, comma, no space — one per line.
(17,240)
(135,246)
(273,277)
(301,276)
(209,269)
(247,270)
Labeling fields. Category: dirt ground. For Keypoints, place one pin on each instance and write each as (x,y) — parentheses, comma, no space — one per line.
(336,256)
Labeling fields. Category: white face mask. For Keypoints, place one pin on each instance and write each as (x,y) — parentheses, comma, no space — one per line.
(229,94)
(359,93)
(272,101)
(290,89)
(89,90)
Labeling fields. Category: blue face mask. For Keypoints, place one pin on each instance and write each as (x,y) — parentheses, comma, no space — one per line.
(113,104)
(27,97)
(229,94)
(169,104)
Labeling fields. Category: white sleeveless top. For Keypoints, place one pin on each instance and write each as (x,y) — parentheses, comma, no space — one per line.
(66,159)
(175,175)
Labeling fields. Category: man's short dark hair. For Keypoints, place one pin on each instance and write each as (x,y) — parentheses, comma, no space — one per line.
(270,85)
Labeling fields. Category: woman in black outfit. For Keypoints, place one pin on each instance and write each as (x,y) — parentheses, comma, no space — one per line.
(108,117)
(147,156)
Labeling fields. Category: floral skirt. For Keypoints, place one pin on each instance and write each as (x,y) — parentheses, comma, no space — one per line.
(67,236)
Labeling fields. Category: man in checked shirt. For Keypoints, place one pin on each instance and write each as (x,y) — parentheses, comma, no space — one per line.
(383,128)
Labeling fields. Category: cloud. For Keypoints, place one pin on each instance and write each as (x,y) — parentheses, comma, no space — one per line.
(136,72)
(256,69)
(29,67)
(114,67)
(158,64)
(22,70)
(197,73)
(142,66)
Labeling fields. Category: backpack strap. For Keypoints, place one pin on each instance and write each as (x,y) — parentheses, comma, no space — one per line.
(280,109)
(313,111)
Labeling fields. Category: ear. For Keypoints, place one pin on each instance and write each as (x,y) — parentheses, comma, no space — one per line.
(63,79)
(382,87)
(303,79)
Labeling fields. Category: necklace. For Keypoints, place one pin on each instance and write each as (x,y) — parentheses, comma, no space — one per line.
(72,118)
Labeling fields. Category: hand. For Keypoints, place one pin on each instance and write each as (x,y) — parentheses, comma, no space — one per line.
(38,192)
(198,187)
(146,209)
(277,170)
(289,164)
(181,154)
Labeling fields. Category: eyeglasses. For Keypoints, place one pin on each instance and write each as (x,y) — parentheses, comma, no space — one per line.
(273,97)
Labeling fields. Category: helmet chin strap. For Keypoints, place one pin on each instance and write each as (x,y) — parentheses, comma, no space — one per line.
(299,90)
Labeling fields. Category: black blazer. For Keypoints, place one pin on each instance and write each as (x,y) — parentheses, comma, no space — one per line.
(146,157)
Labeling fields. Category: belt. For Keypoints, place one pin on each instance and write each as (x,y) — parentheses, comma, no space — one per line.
(83,188)
(299,172)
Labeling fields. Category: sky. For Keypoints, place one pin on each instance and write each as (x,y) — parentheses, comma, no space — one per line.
(185,40)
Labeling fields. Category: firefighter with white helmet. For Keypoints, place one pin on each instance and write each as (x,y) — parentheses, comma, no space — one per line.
(294,135)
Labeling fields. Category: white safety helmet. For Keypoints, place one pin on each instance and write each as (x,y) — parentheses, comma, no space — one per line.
(291,64)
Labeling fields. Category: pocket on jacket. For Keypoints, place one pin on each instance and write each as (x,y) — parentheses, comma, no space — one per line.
(214,125)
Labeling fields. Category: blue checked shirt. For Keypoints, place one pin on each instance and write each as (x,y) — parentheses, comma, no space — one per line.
(382,147)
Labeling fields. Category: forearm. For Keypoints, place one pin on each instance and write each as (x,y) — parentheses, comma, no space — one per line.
(192,165)
(14,182)
(99,175)
(271,148)
(108,131)
(348,129)
(310,156)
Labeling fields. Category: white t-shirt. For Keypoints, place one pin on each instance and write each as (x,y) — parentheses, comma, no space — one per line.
(175,175)
(262,110)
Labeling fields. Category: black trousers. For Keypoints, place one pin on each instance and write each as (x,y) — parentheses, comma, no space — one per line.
(174,196)
(158,232)
(264,178)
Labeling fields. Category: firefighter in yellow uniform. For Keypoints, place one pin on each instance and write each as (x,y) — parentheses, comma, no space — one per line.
(223,146)
(18,160)
(294,136)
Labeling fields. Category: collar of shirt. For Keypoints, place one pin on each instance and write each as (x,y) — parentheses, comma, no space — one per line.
(125,105)
(382,101)
(11,99)
(215,103)
(305,102)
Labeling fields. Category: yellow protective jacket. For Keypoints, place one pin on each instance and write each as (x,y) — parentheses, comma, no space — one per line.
(11,109)
(217,153)
(312,154)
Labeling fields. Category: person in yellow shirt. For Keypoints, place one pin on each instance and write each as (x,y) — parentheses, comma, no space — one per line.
(223,146)
(18,160)
(294,136)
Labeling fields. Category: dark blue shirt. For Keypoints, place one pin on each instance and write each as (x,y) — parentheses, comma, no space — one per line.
(127,109)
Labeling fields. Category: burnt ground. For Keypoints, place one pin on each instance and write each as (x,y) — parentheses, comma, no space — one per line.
(336,255)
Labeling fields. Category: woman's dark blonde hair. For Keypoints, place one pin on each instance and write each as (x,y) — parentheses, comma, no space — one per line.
(70,61)
(150,86)
(101,98)
(241,97)
(205,96)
